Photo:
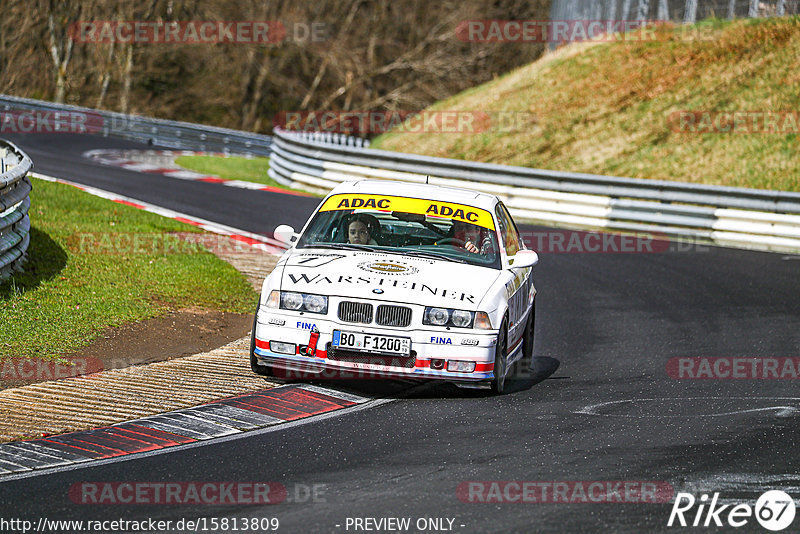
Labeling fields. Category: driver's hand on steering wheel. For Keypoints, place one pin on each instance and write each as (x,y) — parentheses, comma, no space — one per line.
(470,246)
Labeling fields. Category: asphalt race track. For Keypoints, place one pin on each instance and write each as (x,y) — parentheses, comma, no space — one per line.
(600,405)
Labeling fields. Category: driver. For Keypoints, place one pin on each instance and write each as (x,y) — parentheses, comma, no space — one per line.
(361,229)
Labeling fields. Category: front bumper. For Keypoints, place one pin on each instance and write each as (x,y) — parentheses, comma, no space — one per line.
(427,346)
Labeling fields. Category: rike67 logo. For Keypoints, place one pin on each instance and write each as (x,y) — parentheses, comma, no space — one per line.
(774,510)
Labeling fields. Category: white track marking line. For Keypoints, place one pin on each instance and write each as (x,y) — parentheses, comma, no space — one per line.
(782,411)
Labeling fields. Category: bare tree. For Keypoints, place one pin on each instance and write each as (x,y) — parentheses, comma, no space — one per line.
(377,55)
(60,17)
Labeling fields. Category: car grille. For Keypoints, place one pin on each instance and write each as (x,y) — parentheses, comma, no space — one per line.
(355,312)
(393,316)
(340,355)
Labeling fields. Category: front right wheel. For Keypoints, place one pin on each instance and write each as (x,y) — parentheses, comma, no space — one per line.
(526,362)
(500,360)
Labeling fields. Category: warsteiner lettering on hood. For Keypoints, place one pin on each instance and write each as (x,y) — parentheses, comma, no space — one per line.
(425,289)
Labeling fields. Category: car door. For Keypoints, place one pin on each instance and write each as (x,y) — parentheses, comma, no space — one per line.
(518,288)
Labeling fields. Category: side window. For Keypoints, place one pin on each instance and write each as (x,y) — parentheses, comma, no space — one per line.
(508,232)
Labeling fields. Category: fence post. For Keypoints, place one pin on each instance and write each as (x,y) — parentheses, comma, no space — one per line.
(690,12)
(753,13)
(781,8)
(731,9)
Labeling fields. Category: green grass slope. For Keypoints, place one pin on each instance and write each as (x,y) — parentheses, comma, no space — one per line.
(609,108)
(94,263)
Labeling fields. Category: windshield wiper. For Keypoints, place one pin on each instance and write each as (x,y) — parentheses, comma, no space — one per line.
(434,256)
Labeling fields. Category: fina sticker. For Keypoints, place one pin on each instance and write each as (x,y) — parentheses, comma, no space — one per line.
(420,206)
(387,267)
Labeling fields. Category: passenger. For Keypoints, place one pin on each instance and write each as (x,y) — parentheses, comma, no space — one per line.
(475,238)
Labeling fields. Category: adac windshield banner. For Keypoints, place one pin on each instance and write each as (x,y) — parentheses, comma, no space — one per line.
(430,208)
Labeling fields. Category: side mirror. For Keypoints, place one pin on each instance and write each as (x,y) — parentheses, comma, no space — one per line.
(524,258)
(285,234)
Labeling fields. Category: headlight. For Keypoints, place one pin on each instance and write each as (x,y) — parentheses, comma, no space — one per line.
(316,303)
(304,302)
(291,301)
(461,318)
(436,316)
(449,317)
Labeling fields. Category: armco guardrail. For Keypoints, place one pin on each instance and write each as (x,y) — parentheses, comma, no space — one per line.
(26,115)
(728,216)
(15,226)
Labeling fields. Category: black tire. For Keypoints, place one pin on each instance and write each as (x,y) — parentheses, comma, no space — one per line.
(526,362)
(262,370)
(500,360)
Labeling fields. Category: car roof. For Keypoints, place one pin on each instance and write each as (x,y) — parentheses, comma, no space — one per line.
(416,190)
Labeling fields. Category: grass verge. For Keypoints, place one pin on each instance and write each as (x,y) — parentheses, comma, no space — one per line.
(84,274)
(230,168)
(609,108)
(234,168)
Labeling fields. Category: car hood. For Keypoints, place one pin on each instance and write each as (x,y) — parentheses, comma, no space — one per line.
(387,277)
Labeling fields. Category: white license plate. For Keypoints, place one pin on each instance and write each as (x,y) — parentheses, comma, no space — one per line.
(374,343)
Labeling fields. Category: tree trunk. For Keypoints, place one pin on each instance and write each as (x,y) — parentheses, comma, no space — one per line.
(126,80)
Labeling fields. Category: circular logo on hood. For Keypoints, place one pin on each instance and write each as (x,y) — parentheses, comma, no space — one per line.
(387,267)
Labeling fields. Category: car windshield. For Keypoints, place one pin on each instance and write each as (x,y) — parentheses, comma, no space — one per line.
(418,227)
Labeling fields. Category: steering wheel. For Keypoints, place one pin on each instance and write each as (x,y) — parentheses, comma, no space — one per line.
(452,241)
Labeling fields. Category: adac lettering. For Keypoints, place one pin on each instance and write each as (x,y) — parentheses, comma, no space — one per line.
(447,211)
(383,203)
(441,340)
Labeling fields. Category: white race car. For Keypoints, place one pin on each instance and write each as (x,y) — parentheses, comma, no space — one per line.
(395,279)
